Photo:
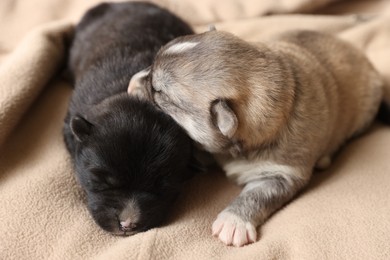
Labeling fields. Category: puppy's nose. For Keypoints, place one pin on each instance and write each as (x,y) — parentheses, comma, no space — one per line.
(127,225)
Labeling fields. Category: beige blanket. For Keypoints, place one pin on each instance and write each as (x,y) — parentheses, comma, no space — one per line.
(343,214)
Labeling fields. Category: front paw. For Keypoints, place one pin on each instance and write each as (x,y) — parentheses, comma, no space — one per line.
(232,230)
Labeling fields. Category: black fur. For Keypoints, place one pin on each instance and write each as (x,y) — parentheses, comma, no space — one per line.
(123,148)
(384,113)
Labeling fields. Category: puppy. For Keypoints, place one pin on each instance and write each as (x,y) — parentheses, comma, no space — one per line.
(270,112)
(129,157)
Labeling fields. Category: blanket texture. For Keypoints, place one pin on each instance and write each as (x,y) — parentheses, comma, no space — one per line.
(343,214)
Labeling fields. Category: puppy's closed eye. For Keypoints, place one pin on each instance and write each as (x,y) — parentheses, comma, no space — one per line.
(156,87)
(104,178)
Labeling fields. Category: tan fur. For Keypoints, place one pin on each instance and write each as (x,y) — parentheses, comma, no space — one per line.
(269,111)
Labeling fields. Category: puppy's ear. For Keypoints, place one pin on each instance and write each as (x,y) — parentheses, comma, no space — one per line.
(224,117)
(138,80)
(80,127)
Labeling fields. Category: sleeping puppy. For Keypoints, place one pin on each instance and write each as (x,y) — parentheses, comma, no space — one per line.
(129,157)
(270,112)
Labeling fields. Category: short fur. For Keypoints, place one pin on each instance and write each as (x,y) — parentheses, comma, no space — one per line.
(130,158)
(269,111)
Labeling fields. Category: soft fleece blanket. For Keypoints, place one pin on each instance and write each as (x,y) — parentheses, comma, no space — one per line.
(343,214)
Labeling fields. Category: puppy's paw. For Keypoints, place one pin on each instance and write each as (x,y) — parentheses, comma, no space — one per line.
(232,230)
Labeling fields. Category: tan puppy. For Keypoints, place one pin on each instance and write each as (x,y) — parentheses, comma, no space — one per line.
(270,112)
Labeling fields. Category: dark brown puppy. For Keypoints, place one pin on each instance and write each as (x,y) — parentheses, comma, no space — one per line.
(129,157)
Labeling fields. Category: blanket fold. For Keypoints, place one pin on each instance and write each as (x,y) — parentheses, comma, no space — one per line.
(28,69)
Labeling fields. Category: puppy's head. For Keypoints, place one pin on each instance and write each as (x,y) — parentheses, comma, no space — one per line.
(131,160)
(204,82)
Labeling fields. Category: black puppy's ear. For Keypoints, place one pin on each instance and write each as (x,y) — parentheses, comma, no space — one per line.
(80,127)
(224,117)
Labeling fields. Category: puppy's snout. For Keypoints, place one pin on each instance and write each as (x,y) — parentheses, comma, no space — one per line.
(127,225)
(129,217)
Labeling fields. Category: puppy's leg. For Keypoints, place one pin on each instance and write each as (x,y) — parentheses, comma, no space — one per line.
(236,225)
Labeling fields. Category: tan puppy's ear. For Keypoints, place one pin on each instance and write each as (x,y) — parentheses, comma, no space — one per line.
(212,28)
(224,117)
(138,79)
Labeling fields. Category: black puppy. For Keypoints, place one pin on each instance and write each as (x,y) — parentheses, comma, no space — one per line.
(129,157)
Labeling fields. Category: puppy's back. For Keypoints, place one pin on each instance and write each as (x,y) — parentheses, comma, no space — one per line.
(110,27)
(112,42)
(359,88)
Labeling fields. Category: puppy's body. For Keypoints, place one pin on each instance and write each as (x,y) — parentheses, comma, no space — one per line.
(129,157)
(270,112)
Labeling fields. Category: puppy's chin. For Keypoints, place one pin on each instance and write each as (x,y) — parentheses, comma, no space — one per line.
(105,217)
